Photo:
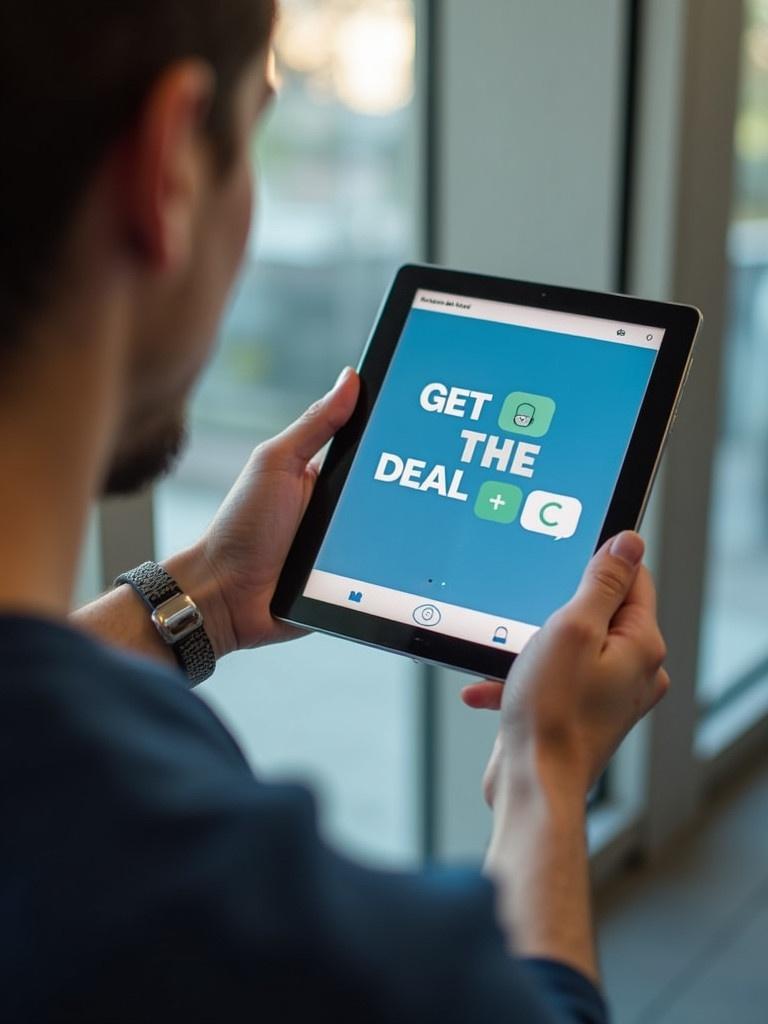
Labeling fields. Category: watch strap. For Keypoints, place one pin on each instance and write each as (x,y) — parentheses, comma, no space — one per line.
(151,582)
(155,586)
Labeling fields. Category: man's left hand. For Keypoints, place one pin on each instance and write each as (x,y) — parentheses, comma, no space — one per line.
(242,552)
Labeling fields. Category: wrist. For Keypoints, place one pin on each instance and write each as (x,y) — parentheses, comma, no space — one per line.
(520,838)
(193,573)
(548,749)
(532,779)
(538,855)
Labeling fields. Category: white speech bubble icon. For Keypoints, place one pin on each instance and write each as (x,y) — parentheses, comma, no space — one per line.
(556,515)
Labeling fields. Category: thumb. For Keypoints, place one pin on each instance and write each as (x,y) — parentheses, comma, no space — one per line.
(609,576)
(315,428)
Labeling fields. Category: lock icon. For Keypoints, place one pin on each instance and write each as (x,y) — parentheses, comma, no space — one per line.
(500,635)
(525,414)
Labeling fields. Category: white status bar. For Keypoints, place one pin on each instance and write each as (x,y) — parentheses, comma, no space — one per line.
(417,610)
(638,335)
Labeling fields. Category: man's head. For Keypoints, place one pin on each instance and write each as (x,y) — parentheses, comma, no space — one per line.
(125,175)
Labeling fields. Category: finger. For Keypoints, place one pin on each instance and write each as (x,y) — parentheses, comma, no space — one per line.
(661,686)
(609,577)
(639,605)
(315,428)
(643,591)
(485,696)
(316,462)
(634,630)
(658,687)
(490,775)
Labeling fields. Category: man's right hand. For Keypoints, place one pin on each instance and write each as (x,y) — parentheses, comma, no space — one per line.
(574,693)
(585,678)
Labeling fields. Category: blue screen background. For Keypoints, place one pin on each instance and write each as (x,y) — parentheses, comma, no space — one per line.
(395,537)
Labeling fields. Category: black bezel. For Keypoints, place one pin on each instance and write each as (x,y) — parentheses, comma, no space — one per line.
(680,324)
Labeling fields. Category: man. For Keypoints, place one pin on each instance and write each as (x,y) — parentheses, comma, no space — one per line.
(146,875)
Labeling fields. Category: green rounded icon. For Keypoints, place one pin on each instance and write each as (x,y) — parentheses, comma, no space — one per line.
(498,502)
(523,413)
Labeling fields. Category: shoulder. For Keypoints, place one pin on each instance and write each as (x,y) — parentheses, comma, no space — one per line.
(142,843)
(66,696)
(115,760)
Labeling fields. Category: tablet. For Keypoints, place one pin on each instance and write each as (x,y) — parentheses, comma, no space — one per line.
(504,430)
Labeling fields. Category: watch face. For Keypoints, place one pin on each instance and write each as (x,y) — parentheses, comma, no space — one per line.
(176,618)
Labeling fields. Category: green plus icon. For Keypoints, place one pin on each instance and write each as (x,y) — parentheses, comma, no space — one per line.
(498,502)
(524,413)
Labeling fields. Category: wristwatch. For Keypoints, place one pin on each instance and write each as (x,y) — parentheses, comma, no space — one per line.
(176,617)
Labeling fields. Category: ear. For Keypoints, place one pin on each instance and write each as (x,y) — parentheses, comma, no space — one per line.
(164,165)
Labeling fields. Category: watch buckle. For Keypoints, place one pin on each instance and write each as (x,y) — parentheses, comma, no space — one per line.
(176,618)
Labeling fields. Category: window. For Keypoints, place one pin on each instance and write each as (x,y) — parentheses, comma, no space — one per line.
(337,168)
(398,764)
(735,638)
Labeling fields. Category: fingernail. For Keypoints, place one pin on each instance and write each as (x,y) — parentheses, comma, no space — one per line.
(342,377)
(629,546)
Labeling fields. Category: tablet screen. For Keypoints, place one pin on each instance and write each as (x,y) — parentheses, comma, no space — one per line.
(481,483)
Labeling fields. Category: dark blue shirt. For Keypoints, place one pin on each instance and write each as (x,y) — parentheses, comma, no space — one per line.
(147,876)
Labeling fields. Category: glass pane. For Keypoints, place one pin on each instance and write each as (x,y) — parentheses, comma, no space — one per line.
(337,177)
(735,631)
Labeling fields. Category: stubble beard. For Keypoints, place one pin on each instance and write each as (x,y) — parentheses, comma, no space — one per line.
(138,464)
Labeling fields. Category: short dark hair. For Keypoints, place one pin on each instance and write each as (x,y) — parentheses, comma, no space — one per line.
(73,75)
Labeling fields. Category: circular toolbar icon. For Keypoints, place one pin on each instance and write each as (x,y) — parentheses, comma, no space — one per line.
(426,615)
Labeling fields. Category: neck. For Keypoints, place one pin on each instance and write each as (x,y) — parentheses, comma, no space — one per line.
(57,414)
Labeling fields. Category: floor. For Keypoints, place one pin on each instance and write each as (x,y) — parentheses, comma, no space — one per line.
(686,940)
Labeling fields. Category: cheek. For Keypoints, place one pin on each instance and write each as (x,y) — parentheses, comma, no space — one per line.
(243,210)
(229,225)
(219,259)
